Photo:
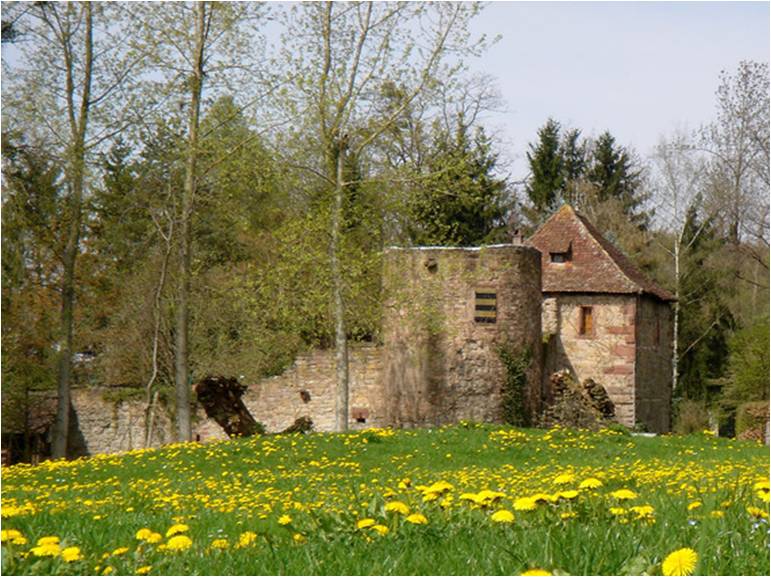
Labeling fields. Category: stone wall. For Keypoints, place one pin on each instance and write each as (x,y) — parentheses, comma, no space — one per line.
(606,354)
(440,365)
(307,388)
(653,364)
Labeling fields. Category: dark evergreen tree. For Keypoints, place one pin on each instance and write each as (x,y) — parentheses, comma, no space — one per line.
(615,174)
(463,202)
(573,153)
(547,178)
(705,318)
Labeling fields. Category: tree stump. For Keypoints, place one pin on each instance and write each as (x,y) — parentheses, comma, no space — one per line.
(221,399)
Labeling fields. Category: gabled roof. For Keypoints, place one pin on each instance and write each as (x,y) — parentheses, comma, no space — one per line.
(596,266)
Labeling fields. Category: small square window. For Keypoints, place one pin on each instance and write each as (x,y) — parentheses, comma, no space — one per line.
(561,257)
(586,322)
(485,307)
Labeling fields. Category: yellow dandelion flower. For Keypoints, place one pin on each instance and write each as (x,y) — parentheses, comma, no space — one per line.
(417,519)
(144,570)
(48,550)
(572,494)
(643,511)
(680,562)
(717,514)
(502,516)
(534,572)
(9,535)
(568,515)
(220,544)
(108,570)
(694,505)
(143,534)
(623,494)
(763,496)
(179,543)
(564,479)
(545,497)
(428,497)
(397,507)
(120,551)
(762,485)
(380,529)
(299,538)
(153,538)
(617,511)
(524,504)
(70,554)
(364,523)
(247,538)
(590,483)
(176,529)
(47,541)
(757,512)
(284,520)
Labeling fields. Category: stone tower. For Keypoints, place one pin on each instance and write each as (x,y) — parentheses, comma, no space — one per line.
(447,313)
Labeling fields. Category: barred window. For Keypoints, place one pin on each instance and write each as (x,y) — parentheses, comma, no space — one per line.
(485,307)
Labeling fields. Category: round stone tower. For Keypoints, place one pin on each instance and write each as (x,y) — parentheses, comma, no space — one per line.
(450,316)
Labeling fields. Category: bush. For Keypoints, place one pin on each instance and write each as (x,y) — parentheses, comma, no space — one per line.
(692,417)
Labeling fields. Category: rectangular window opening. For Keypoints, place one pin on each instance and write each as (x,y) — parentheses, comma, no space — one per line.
(485,307)
(586,324)
(562,257)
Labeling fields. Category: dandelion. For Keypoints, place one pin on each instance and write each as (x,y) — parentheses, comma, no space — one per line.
(179,543)
(143,570)
(717,514)
(299,538)
(590,483)
(623,494)
(617,511)
(120,551)
(284,520)
(108,570)
(380,529)
(757,512)
(70,554)
(397,507)
(176,529)
(417,519)
(680,562)
(694,505)
(502,516)
(564,479)
(153,538)
(47,550)
(568,515)
(13,536)
(364,523)
(524,504)
(219,544)
(535,572)
(47,541)
(143,534)
(568,494)
(247,538)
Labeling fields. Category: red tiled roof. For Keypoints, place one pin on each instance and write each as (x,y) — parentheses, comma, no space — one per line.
(596,266)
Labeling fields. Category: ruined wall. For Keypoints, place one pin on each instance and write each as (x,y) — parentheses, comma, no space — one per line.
(440,365)
(653,364)
(606,354)
(277,401)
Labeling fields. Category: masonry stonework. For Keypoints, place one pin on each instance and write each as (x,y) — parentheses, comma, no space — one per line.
(653,364)
(440,364)
(606,354)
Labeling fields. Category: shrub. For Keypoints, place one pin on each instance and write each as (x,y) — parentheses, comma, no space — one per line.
(692,417)
(751,419)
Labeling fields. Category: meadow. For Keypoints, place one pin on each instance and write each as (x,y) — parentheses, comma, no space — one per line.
(466,499)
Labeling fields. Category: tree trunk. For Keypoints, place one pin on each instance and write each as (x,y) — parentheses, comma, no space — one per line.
(75,175)
(676,320)
(341,341)
(182,366)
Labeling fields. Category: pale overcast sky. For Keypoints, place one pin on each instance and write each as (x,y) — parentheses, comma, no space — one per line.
(638,69)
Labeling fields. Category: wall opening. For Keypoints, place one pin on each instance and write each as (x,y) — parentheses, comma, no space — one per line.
(485,306)
(586,321)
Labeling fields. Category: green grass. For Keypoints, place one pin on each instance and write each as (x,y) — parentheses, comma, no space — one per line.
(326,483)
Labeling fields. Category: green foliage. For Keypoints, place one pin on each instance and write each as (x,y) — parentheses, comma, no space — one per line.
(460,202)
(748,363)
(705,318)
(547,168)
(514,405)
(752,418)
(690,417)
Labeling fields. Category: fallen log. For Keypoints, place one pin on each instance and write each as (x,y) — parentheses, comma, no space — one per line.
(221,399)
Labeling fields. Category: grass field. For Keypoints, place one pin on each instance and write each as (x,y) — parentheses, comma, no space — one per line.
(468,499)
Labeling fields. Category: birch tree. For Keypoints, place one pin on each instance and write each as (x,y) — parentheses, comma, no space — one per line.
(341,56)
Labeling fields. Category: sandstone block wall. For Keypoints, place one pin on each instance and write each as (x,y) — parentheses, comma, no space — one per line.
(607,354)
(653,366)
(440,365)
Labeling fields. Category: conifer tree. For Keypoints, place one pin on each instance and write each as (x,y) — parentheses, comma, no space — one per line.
(546,167)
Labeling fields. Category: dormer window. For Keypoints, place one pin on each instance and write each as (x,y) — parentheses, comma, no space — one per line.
(563,256)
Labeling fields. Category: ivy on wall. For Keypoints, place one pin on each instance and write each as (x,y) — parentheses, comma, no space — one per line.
(513,403)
